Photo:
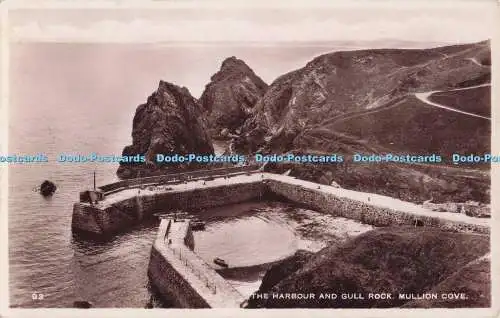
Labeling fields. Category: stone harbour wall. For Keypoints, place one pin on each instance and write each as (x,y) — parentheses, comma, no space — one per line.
(207,197)
(172,277)
(121,215)
(170,283)
(173,178)
(118,216)
(367,213)
(93,220)
(85,218)
(181,276)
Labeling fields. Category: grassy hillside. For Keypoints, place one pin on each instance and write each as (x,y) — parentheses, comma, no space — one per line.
(474,280)
(339,83)
(406,182)
(412,126)
(477,100)
(387,260)
(370,101)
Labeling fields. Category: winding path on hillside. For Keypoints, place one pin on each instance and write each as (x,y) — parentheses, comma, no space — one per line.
(475,61)
(424,97)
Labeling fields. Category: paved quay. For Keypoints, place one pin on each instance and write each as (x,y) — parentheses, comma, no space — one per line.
(381,201)
(372,199)
(179,187)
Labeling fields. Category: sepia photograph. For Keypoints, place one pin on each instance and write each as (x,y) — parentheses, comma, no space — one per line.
(249,156)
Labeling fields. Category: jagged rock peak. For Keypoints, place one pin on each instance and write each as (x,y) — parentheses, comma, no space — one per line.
(170,89)
(167,86)
(234,68)
(232,61)
(230,95)
(171,121)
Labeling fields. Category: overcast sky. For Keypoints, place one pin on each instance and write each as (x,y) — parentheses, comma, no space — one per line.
(70,82)
(462,21)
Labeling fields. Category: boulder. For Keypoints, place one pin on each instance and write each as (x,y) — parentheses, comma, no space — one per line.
(47,188)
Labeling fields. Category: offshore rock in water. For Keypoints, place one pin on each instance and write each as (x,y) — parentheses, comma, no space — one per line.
(47,188)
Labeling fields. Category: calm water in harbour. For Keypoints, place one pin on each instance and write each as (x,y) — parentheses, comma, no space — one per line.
(81,99)
(250,236)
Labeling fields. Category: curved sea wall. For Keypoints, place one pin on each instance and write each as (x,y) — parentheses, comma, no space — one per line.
(369,208)
(116,212)
(108,218)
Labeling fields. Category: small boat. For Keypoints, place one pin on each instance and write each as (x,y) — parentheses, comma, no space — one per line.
(180,215)
(197,225)
(163,215)
(220,262)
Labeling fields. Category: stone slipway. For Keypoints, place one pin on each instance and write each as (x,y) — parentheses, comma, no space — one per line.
(182,276)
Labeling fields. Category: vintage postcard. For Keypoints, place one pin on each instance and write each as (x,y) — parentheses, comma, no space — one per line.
(267,158)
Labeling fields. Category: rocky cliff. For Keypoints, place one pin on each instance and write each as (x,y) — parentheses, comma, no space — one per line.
(381,101)
(230,96)
(392,260)
(170,122)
